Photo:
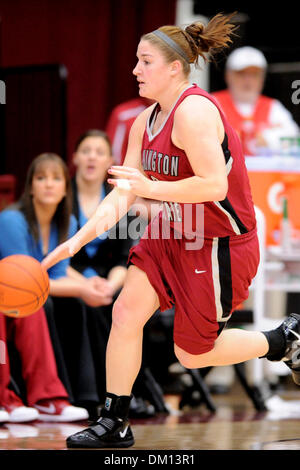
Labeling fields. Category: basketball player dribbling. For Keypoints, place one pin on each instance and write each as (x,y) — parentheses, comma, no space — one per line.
(201,252)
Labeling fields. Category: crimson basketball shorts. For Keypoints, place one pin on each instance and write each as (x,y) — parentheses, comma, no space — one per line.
(205,285)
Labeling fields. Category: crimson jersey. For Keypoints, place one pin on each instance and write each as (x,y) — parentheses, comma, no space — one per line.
(163,161)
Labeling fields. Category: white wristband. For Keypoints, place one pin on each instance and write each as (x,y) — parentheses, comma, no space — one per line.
(123,184)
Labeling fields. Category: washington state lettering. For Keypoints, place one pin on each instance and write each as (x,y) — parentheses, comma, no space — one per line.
(160,163)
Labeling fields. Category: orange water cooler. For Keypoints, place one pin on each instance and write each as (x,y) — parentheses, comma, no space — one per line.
(272,179)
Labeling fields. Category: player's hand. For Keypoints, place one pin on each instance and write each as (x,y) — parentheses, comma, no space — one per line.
(63,251)
(131,179)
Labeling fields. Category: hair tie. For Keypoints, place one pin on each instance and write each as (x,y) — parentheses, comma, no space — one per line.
(164,37)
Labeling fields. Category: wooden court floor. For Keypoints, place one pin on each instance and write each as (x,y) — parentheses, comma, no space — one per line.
(236,425)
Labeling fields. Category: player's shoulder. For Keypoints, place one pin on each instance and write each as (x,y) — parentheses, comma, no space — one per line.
(196,107)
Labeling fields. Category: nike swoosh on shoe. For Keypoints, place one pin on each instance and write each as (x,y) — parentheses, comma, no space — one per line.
(123,433)
(50,409)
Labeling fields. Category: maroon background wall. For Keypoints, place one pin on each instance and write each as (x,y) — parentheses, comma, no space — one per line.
(95,39)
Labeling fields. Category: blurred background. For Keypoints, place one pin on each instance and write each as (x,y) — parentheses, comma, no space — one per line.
(67,63)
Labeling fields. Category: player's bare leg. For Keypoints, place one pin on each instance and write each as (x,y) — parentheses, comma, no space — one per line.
(231,347)
(134,306)
(234,346)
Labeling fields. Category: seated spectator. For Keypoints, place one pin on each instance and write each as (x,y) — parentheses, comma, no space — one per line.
(106,256)
(47,398)
(34,226)
(259,120)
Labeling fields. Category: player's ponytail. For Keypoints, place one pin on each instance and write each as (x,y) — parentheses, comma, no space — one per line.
(212,38)
(195,40)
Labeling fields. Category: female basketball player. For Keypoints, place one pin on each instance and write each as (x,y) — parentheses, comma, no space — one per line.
(182,151)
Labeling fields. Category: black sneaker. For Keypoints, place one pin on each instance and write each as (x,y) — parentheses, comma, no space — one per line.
(106,432)
(291,329)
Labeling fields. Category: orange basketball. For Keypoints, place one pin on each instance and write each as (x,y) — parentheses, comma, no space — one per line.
(24,285)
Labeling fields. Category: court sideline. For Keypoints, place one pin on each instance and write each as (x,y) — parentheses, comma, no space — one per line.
(236,425)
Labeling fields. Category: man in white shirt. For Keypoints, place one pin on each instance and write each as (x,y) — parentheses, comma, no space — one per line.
(259,120)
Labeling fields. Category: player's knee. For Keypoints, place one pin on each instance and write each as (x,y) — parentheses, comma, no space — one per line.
(123,317)
(186,360)
(120,315)
(192,361)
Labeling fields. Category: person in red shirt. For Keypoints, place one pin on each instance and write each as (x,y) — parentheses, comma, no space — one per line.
(119,124)
(201,251)
(259,120)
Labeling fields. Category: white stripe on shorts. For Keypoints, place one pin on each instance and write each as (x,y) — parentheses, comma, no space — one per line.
(216,278)
(229,165)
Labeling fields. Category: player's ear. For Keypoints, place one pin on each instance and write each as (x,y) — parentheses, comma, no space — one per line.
(176,67)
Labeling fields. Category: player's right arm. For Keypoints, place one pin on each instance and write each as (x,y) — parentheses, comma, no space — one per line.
(113,207)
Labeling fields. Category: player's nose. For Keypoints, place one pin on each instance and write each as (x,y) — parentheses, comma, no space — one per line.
(135,71)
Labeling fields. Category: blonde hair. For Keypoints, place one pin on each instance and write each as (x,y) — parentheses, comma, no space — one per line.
(195,40)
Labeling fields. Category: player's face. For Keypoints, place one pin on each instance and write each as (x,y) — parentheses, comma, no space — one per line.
(151,71)
(247,84)
(92,159)
(48,184)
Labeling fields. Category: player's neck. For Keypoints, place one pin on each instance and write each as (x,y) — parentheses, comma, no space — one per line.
(170,96)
